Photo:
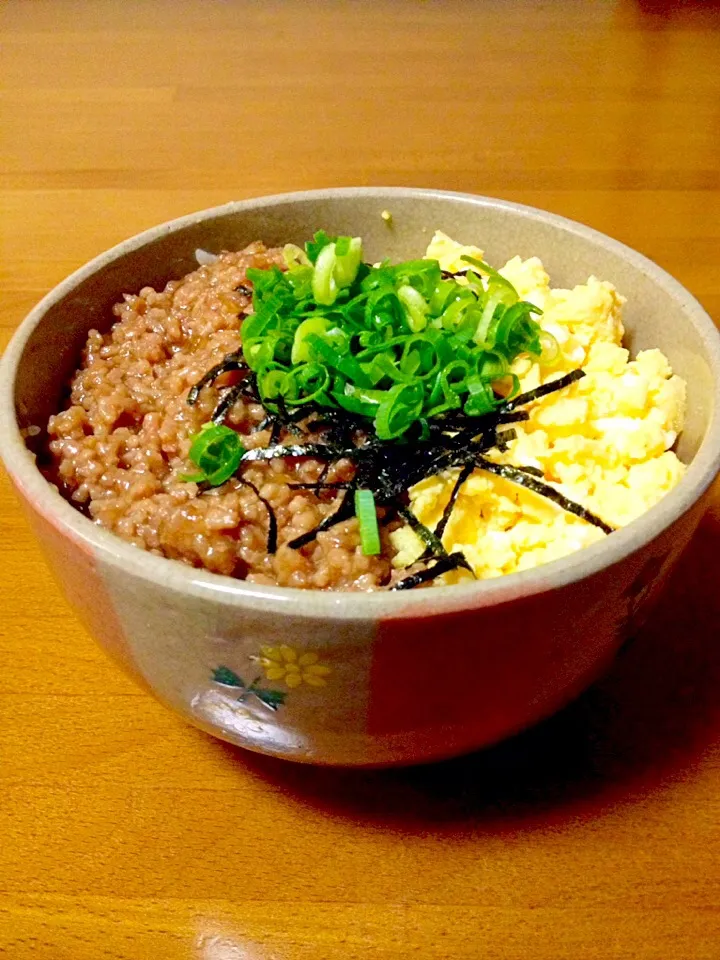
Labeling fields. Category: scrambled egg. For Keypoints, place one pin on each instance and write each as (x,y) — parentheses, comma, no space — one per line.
(604,442)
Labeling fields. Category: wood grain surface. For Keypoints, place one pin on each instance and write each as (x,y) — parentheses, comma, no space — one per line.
(125,833)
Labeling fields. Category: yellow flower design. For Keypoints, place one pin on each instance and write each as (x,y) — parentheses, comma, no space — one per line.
(284,663)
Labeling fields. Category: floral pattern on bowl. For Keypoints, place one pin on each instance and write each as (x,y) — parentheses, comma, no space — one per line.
(282,664)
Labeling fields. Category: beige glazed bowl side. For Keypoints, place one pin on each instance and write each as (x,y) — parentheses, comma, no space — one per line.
(360,679)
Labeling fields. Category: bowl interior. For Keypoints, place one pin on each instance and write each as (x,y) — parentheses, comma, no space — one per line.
(655,314)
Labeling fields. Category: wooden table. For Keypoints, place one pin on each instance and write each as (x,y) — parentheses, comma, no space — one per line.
(125,833)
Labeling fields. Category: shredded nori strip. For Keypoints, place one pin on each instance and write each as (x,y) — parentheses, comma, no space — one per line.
(227,400)
(272,519)
(431,540)
(504,438)
(343,512)
(320,483)
(525,479)
(319,450)
(276,421)
(233,361)
(314,485)
(552,387)
(276,430)
(462,477)
(535,471)
(390,468)
(442,565)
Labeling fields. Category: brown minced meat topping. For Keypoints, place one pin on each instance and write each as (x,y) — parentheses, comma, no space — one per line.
(121,445)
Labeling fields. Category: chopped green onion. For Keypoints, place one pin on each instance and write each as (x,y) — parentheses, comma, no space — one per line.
(395,343)
(415,305)
(550,348)
(398,411)
(301,349)
(336,268)
(295,256)
(481,398)
(314,246)
(367,519)
(348,251)
(310,381)
(324,286)
(216,450)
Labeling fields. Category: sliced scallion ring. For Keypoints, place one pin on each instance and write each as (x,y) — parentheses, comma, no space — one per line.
(367,520)
(216,450)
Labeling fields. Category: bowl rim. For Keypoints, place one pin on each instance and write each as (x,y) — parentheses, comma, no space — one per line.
(349,606)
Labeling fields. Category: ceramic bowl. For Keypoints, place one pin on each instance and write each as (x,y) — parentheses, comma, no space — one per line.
(404,677)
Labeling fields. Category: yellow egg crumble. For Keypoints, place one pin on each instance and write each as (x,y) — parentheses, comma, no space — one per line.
(604,442)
